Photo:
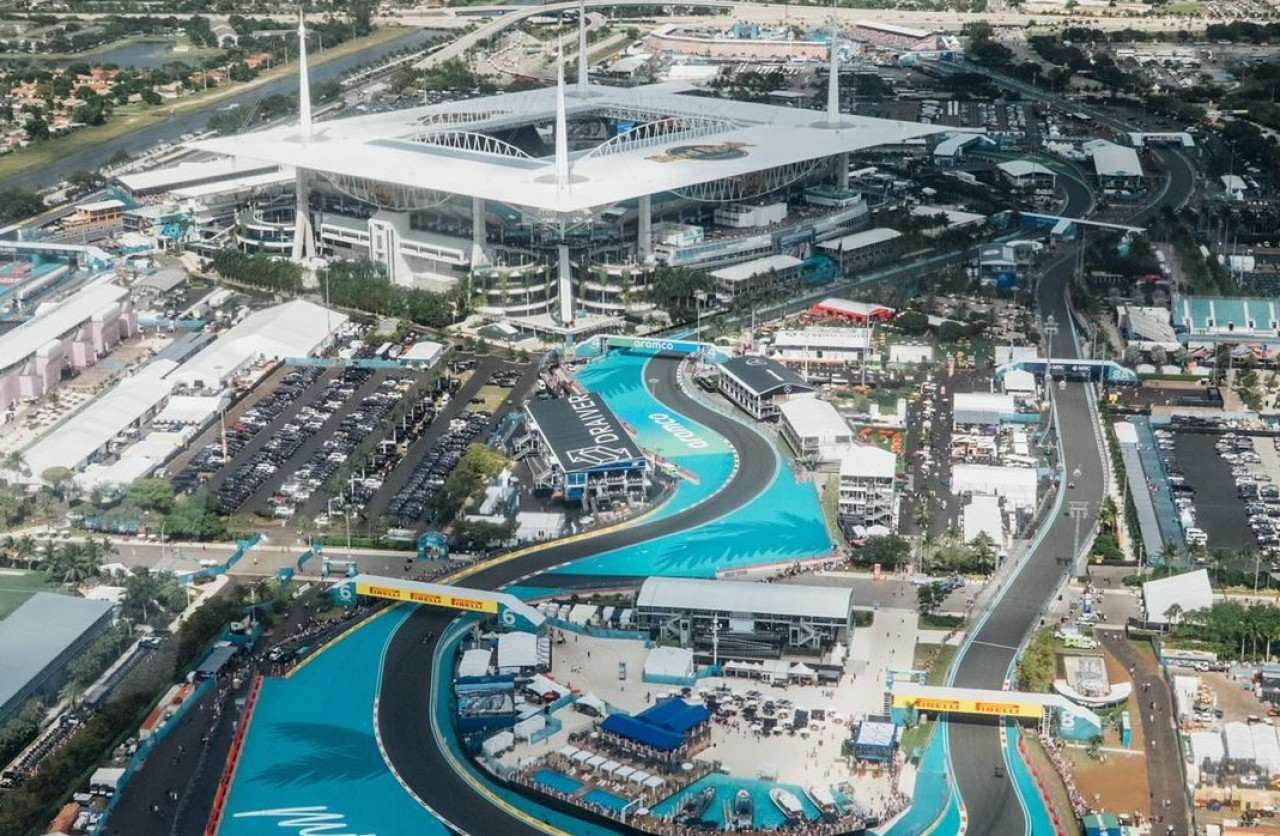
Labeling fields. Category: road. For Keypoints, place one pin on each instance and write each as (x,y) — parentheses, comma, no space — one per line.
(985,661)
(404,723)
(193,121)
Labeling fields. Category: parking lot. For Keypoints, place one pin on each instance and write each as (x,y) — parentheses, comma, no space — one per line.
(1224,498)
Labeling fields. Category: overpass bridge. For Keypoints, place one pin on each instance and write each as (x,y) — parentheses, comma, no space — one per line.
(1074,721)
(509,609)
(86,256)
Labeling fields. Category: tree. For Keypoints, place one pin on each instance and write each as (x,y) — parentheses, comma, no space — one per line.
(59,479)
(17,204)
(982,550)
(675,289)
(912,322)
(890,552)
(929,597)
(151,495)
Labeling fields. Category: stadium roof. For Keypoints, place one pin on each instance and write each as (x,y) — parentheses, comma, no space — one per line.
(190,174)
(1111,160)
(703,595)
(451,148)
(763,376)
(37,633)
(583,433)
(52,321)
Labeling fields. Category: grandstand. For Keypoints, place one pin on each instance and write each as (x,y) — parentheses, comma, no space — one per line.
(1217,319)
(889,36)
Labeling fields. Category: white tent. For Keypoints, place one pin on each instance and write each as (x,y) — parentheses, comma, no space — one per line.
(624,772)
(664,664)
(582,756)
(569,751)
(499,743)
(639,777)
(1190,591)
(516,651)
(653,782)
(527,728)
(592,703)
(610,767)
(1238,742)
(597,761)
(1266,749)
(475,662)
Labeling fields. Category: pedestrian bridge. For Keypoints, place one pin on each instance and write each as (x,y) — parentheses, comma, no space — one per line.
(1097,371)
(1074,721)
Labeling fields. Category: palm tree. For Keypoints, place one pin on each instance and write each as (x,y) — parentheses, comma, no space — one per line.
(1172,613)
(24,549)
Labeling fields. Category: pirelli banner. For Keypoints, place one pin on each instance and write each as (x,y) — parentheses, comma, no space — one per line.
(988,707)
(442,598)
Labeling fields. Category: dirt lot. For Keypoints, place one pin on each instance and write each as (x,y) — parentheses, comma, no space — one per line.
(1115,781)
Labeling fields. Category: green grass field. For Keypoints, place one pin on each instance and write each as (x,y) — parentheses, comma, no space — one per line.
(17,585)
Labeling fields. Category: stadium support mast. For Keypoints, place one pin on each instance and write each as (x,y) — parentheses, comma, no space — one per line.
(304,83)
(304,243)
(562,129)
(582,49)
(833,83)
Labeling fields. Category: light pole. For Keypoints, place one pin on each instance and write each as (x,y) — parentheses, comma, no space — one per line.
(1077,511)
(1050,329)
(699,297)
(162,524)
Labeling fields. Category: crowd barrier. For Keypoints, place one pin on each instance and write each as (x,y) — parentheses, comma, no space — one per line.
(233,759)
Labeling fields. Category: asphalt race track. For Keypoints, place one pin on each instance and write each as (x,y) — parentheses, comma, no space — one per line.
(403,720)
(992,803)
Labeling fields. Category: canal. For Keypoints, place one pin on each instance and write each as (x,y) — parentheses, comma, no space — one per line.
(194,121)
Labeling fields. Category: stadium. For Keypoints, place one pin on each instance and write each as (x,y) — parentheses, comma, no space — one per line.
(557,205)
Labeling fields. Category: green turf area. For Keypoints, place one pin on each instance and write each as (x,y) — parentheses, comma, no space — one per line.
(493,397)
(17,585)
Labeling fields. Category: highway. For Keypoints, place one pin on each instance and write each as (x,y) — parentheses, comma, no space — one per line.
(410,745)
(985,661)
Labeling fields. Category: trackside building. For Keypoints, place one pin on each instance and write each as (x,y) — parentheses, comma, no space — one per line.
(39,639)
(754,620)
(579,451)
(758,385)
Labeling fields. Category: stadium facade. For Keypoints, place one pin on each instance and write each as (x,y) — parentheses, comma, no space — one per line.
(556,206)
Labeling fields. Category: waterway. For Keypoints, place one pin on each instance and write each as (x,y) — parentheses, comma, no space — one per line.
(193,121)
(140,55)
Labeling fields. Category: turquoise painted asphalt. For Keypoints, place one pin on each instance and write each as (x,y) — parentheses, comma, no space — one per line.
(1039,822)
(311,757)
(783,524)
(934,806)
(619,379)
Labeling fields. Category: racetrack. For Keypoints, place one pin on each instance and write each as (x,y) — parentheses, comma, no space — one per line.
(985,661)
(403,718)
